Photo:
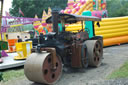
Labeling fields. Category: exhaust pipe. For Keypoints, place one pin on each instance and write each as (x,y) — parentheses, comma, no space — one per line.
(55,15)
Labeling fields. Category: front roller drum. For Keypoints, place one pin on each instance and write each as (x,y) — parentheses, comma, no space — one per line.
(94,52)
(38,68)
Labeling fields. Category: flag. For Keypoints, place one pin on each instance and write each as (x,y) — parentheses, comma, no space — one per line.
(21,12)
(7,13)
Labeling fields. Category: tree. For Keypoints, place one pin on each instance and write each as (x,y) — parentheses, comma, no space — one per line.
(117,8)
(32,7)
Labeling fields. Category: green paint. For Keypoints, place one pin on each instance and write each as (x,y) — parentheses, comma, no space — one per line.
(3,45)
(88,24)
(60,27)
(37,32)
(102,1)
(28,27)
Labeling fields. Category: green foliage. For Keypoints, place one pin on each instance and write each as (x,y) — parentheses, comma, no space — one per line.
(32,7)
(12,74)
(1,76)
(120,73)
(117,8)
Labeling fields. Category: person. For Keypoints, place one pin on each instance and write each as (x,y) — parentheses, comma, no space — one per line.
(41,38)
(25,38)
(6,36)
(19,39)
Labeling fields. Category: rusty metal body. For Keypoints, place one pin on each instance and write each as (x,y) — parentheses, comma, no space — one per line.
(75,50)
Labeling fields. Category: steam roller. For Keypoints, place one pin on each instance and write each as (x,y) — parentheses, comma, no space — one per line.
(57,49)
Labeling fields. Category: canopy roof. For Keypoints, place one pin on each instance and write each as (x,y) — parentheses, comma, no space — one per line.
(71,18)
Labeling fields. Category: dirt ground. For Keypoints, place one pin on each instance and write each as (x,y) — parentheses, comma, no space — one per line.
(114,57)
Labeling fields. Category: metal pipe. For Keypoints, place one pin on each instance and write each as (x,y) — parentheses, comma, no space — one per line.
(55,15)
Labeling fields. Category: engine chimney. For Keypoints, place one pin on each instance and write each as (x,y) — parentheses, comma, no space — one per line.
(55,15)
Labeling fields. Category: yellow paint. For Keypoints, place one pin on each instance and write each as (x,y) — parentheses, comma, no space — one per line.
(114,19)
(0,37)
(74,27)
(91,9)
(111,27)
(36,22)
(112,23)
(44,17)
(16,25)
(5,37)
(101,32)
(99,1)
(49,12)
(111,35)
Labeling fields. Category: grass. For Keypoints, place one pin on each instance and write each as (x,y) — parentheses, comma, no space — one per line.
(122,72)
(12,74)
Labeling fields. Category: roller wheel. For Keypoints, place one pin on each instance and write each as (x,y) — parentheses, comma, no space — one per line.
(38,68)
(94,52)
(98,38)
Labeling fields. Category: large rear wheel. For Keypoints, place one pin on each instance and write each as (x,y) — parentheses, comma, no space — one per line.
(94,52)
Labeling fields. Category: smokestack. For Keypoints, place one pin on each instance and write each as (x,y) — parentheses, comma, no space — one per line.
(55,15)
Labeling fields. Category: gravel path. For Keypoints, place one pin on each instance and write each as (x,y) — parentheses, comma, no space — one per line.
(114,57)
